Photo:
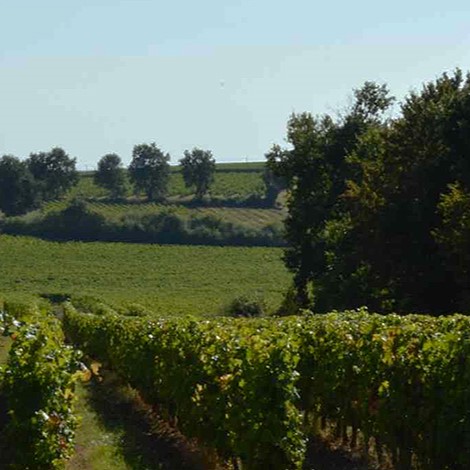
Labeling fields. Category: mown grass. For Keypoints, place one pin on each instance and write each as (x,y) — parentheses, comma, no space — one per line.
(169,280)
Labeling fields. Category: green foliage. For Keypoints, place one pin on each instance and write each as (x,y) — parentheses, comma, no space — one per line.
(110,175)
(197,168)
(290,304)
(230,185)
(76,219)
(401,380)
(149,171)
(370,101)
(316,170)
(54,172)
(244,306)
(38,384)
(17,187)
(75,222)
(372,212)
(399,204)
(273,181)
(453,238)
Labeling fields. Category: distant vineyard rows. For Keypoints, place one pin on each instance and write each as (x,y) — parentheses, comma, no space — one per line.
(253,218)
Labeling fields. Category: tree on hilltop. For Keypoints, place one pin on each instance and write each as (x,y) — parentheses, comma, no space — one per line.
(198,167)
(17,186)
(54,172)
(274,183)
(110,175)
(149,171)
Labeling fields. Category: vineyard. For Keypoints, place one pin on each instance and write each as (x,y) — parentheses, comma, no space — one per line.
(255,391)
(237,213)
(231,181)
(93,331)
(255,218)
(169,280)
(164,310)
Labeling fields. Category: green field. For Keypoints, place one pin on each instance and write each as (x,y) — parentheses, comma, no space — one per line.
(169,280)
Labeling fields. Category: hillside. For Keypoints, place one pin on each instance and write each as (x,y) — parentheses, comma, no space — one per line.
(236,213)
(232,181)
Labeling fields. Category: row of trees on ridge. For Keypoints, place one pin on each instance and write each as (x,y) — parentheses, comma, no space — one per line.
(45,176)
(149,172)
(42,177)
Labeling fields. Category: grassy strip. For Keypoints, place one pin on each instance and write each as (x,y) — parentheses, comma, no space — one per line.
(96,446)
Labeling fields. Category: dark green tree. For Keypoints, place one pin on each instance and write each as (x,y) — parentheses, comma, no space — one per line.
(452,236)
(316,170)
(417,179)
(198,167)
(274,183)
(54,172)
(149,171)
(18,191)
(110,175)
(387,225)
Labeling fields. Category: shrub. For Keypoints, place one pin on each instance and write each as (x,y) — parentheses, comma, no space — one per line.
(245,306)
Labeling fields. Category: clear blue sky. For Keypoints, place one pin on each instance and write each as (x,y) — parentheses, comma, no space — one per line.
(98,76)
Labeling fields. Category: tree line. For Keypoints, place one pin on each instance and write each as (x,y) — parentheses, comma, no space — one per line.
(379,203)
(41,177)
(149,172)
(44,176)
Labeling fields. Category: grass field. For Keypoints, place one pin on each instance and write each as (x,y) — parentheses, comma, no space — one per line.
(169,280)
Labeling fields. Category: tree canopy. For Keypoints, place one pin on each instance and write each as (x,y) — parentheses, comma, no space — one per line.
(149,171)
(17,186)
(316,170)
(110,175)
(54,171)
(379,209)
(198,167)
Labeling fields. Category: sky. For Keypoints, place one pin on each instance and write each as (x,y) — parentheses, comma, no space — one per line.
(100,76)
